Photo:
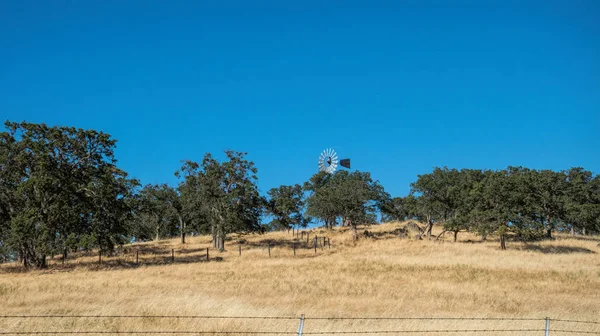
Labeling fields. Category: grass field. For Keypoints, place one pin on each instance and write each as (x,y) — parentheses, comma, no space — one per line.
(384,276)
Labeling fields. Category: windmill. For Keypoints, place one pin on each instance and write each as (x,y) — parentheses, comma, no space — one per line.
(328,161)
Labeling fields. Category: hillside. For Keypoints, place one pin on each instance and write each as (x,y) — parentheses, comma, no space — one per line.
(380,276)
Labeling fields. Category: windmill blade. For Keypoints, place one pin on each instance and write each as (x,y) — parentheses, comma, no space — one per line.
(328,161)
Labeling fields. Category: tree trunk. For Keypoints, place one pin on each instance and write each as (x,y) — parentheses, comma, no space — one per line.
(455,235)
(41,261)
(572,230)
(157,233)
(182,227)
(220,234)
(213,233)
(354,233)
(24,255)
(502,242)
(583,231)
(221,243)
(548,228)
(441,234)
(429,227)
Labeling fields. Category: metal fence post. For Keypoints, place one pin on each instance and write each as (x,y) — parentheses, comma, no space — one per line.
(547,326)
(301,326)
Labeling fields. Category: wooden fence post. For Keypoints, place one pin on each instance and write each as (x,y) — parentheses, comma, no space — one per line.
(207,254)
(100,257)
(137,256)
(329,242)
(307,235)
(315,245)
(269,248)
(172,255)
(240,248)
(294,247)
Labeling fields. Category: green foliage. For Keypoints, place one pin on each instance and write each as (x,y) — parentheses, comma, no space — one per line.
(354,197)
(286,205)
(582,205)
(156,212)
(396,208)
(527,204)
(61,190)
(226,194)
(58,186)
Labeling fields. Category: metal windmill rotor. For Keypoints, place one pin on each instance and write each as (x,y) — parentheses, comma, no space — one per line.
(328,161)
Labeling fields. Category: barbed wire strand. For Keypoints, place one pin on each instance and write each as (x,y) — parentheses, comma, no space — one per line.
(153,316)
(574,321)
(290,317)
(420,331)
(146,332)
(576,331)
(262,332)
(429,318)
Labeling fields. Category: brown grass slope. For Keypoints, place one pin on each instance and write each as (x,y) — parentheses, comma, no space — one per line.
(381,276)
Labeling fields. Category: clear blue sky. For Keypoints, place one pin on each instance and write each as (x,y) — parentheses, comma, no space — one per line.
(399,87)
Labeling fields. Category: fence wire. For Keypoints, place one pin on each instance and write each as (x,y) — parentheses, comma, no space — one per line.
(497,324)
(153,316)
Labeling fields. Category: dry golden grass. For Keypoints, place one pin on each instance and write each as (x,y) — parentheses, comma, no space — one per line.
(375,277)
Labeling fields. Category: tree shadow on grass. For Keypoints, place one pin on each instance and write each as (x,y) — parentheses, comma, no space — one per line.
(471,241)
(116,263)
(379,235)
(300,243)
(557,249)
(583,238)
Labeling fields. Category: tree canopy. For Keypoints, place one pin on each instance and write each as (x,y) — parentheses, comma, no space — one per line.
(286,204)
(225,193)
(519,201)
(61,190)
(354,198)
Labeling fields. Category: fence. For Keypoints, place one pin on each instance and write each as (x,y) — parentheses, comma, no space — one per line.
(135,255)
(303,325)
